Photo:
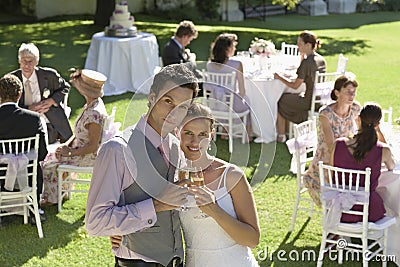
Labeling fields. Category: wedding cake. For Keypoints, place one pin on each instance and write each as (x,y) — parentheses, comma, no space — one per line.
(121,22)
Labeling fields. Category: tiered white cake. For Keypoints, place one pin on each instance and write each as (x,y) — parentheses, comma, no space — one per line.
(121,22)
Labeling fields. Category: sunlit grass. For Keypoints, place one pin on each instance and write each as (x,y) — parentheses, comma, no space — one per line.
(367,39)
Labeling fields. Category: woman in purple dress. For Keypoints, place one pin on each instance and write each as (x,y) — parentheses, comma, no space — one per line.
(364,150)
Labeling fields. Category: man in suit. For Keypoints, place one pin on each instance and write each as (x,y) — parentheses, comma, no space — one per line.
(175,52)
(132,191)
(17,122)
(44,91)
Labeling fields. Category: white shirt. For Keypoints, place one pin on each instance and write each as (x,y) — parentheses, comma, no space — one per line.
(36,94)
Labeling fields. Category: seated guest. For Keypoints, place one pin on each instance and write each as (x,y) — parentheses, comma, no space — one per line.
(81,148)
(44,91)
(335,120)
(175,52)
(222,49)
(294,107)
(361,151)
(17,122)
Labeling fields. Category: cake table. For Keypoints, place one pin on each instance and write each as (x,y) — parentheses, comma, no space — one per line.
(128,63)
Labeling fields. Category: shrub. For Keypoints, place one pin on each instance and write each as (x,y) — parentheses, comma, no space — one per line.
(208,9)
(392,5)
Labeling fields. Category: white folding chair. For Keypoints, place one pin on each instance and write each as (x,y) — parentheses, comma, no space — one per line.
(342,64)
(219,96)
(323,85)
(305,142)
(25,200)
(65,184)
(64,104)
(290,49)
(387,116)
(338,184)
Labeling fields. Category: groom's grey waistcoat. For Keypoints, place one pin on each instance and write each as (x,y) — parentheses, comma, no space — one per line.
(163,241)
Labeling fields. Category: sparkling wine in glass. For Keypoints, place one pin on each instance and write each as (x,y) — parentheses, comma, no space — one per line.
(197,178)
(183,174)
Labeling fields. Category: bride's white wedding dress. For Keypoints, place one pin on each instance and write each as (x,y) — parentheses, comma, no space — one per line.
(207,244)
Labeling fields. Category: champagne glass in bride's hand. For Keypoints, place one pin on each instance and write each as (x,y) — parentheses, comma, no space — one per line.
(197,178)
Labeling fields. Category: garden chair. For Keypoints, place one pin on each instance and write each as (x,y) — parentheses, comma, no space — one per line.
(342,64)
(23,202)
(304,144)
(323,85)
(290,49)
(67,174)
(219,98)
(338,184)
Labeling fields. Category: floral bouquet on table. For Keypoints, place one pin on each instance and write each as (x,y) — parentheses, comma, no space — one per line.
(262,47)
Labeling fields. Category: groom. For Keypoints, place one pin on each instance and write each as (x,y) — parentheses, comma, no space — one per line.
(132,193)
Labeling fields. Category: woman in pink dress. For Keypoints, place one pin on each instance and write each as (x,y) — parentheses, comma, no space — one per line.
(364,150)
(81,148)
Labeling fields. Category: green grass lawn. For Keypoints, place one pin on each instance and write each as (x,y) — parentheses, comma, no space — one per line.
(369,40)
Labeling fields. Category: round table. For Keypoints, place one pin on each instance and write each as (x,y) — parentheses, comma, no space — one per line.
(128,63)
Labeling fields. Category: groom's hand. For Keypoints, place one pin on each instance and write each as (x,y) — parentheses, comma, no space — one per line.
(116,241)
(173,196)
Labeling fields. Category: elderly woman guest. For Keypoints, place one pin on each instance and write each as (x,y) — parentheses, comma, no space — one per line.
(365,150)
(294,107)
(222,49)
(335,120)
(81,148)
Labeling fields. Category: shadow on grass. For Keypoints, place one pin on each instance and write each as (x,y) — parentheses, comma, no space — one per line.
(20,242)
(64,42)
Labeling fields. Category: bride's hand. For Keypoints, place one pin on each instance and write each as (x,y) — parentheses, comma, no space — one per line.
(205,199)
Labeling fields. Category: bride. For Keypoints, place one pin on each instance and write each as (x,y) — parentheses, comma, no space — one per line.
(222,228)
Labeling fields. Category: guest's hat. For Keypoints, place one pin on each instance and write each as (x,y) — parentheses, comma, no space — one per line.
(88,82)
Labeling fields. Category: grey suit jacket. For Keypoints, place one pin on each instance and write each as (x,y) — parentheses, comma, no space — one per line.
(50,79)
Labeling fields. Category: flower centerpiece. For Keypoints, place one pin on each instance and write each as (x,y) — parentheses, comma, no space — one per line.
(262,47)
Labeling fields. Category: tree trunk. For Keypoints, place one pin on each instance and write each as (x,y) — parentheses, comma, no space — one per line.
(104,10)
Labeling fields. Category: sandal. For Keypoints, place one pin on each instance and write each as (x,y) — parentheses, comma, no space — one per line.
(281,138)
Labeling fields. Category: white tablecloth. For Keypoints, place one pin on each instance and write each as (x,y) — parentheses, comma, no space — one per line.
(388,189)
(263,96)
(127,62)
(264,91)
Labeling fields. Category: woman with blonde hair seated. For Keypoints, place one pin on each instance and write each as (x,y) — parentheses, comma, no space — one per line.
(81,148)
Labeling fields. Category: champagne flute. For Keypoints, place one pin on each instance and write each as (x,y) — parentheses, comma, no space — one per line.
(197,178)
(183,174)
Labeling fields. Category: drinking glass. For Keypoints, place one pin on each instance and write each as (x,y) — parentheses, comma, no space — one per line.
(183,174)
(197,178)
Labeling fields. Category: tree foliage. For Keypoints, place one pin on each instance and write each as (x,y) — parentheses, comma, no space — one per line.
(288,3)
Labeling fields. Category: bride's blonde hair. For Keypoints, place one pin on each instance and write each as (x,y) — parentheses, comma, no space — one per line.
(198,111)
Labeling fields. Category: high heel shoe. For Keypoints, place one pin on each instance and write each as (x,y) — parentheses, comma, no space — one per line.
(281,138)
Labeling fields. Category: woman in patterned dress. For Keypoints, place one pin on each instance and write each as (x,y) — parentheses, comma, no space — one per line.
(336,120)
(81,148)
